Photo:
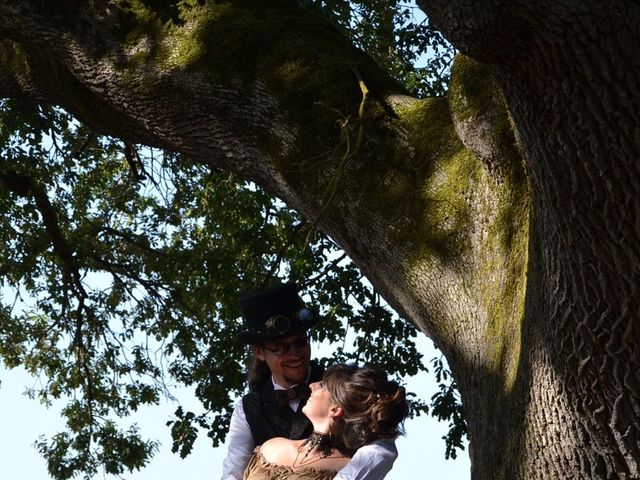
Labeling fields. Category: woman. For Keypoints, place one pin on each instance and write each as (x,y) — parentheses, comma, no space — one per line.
(351,407)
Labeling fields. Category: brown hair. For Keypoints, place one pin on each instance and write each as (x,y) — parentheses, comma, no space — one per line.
(374,406)
(258,374)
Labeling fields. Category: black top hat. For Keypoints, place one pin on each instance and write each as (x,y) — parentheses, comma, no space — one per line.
(274,313)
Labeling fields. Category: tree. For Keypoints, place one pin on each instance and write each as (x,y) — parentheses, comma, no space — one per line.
(500,219)
(111,258)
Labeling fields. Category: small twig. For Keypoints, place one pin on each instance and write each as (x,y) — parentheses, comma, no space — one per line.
(332,187)
(130,155)
(324,271)
(132,239)
(367,331)
(281,253)
(80,150)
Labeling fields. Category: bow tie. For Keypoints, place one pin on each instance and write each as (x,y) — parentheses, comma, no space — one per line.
(301,392)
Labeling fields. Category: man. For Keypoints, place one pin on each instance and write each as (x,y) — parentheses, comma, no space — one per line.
(277,322)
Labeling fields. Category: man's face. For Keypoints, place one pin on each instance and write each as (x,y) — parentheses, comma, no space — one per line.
(288,358)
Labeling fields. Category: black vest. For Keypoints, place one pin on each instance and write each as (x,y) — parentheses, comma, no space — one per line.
(268,419)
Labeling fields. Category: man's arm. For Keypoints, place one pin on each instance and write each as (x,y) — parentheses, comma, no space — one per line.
(241,445)
(370,462)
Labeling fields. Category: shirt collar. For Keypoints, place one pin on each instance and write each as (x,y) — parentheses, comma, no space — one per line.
(277,386)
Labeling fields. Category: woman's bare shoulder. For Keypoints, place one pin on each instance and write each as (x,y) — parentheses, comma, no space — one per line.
(281,451)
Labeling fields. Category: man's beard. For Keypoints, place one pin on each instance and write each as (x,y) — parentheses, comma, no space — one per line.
(295,381)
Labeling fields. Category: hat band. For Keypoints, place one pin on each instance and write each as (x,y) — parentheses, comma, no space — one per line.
(281,324)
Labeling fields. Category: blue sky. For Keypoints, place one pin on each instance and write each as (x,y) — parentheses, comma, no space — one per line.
(421,451)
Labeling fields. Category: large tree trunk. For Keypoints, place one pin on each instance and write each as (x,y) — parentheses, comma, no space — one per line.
(525,274)
(569,75)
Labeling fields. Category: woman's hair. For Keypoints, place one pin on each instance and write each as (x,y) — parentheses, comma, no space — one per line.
(258,374)
(374,406)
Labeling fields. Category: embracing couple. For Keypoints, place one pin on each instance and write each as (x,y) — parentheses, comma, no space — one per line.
(298,422)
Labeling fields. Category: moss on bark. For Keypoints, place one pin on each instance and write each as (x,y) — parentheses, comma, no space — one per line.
(476,101)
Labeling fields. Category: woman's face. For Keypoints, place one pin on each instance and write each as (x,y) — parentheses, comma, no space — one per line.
(319,402)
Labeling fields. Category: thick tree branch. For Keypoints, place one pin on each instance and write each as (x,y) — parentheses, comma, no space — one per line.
(490,31)
(254,108)
(126,84)
(24,186)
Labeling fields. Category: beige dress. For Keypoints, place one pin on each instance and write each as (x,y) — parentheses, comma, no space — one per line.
(260,469)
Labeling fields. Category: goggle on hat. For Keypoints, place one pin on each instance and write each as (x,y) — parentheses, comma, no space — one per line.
(274,313)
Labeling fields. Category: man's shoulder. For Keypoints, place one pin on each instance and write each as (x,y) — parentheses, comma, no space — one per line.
(250,395)
(255,397)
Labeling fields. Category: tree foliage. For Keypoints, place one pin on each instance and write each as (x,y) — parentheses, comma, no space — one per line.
(398,36)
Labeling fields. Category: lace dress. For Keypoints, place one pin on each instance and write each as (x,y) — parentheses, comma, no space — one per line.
(260,469)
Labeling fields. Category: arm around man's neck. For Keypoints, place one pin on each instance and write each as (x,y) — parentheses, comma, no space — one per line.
(370,462)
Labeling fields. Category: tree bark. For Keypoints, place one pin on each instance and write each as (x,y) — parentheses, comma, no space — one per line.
(518,254)
(570,87)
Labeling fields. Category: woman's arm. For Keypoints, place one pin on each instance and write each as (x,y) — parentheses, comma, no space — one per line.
(370,462)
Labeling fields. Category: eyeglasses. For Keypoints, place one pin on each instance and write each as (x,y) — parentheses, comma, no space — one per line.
(286,348)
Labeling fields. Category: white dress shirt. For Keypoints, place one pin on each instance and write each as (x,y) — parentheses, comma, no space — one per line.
(370,462)
(241,445)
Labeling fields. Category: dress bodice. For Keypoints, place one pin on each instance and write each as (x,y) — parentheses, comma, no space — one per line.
(260,469)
